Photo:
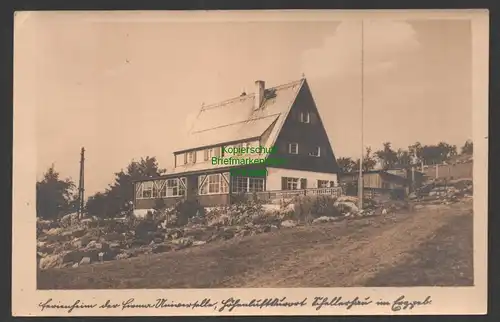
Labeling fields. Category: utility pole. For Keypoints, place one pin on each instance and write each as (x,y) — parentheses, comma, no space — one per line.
(360,179)
(81,187)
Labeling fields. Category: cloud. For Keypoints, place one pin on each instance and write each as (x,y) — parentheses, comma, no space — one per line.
(340,55)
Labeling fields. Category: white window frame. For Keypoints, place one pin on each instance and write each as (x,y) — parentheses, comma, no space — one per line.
(290,148)
(190,157)
(248,183)
(207,180)
(305,117)
(209,154)
(147,186)
(317,153)
(292,182)
(158,189)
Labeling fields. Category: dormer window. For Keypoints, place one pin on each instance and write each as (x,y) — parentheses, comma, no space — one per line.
(316,152)
(305,117)
(209,153)
(190,157)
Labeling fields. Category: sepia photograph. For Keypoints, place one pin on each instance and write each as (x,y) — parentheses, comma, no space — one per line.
(258,162)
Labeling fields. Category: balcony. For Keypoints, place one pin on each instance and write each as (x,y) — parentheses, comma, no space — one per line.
(287,194)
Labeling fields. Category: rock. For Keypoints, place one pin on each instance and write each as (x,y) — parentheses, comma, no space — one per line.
(412,196)
(78,232)
(75,265)
(57,238)
(199,242)
(122,256)
(52,261)
(183,241)
(324,219)
(347,199)
(113,237)
(384,211)
(77,243)
(115,245)
(77,255)
(288,223)
(46,249)
(346,205)
(85,261)
(242,233)
(162,248)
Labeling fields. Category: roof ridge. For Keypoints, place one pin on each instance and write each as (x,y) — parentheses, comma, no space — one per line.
(227,101)
(231,124)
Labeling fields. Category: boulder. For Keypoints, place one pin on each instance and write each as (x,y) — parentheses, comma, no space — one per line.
(346,206)
(77,255)
(324,219)
(182,241)
(85,261)
(78,232)
(52,261)
(162,248)
(122,256)
(288,223)
(112,236)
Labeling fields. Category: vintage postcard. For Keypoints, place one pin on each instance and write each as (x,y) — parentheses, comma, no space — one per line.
(250,163)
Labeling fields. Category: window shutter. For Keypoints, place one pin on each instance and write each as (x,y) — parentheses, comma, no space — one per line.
(185,158)
(194,156)
(283,183)
(206,155)
(303,183)
(218,151)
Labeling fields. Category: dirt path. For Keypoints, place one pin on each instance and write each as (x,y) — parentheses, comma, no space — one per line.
(354,253)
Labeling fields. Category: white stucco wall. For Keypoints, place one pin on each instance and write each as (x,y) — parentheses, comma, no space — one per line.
(200,155)
(274,176)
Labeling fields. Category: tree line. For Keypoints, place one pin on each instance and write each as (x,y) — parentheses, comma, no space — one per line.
(416,154)
(56,197)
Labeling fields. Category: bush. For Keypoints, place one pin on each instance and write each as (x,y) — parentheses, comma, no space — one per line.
(307,208)
(187,209)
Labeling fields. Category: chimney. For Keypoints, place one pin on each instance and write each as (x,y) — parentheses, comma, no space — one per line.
(259,93)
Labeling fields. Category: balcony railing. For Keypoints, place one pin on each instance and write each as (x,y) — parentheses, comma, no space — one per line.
(287,194)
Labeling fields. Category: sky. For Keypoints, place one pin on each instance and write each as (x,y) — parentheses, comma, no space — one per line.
(130,89)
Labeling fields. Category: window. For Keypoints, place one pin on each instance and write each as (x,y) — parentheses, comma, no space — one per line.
(316,152)
(190,157)
(305,117)
(293,148)
(323,183)
(289,183)
(209,153)
(213,184)
(247,184)
(147,189)
(239,147)
(162,188)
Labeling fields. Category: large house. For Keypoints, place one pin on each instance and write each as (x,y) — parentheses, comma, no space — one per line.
(283,120)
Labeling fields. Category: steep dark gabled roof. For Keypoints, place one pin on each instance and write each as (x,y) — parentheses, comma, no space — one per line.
(236,119)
